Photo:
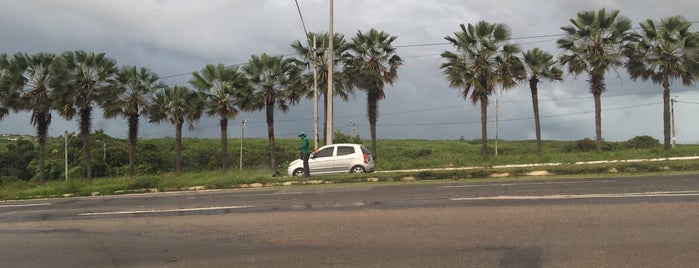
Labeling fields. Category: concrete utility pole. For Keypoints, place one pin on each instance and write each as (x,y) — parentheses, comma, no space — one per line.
(67,139)
(496,126)
(331,70)
(672,122)
(315,96)
(242,136)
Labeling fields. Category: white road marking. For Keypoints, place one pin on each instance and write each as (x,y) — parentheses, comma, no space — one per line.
(25,205)
(581,196)
(244,195)
(160,210)
(515,184)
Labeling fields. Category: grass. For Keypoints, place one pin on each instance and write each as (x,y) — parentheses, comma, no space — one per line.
(392,155)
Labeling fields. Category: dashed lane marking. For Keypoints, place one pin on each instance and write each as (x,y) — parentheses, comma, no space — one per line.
(160,210)
(581,196)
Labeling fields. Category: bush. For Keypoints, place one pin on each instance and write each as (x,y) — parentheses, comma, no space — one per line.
(143,183)
(339,137)
(587,144)
(642,142)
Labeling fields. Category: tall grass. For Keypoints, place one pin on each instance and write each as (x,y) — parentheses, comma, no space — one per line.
(393,155)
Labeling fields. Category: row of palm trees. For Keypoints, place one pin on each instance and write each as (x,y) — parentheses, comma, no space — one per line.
(484,60)
(75,82)
(595,43)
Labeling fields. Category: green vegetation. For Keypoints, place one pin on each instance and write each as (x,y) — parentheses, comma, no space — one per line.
(201,163)
(484,59)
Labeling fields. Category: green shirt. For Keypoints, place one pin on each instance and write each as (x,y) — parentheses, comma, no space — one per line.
(305,147)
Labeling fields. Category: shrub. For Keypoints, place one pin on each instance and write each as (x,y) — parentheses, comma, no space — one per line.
(144,182)
(340,137)
(642,142)
(586,145)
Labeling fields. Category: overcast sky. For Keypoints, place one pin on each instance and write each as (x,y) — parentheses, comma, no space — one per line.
(177,37)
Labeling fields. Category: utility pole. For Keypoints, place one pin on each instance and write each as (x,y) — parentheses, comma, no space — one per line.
(672,122)
(315,95)
(242,136)
(67,139)
(354,128)
(331,91)
(496,126)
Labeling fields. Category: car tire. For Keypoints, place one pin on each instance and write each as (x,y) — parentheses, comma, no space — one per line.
(357,169)
(298,172)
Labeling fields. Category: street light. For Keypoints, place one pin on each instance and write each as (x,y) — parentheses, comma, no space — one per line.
(354,128)
(67,139)
(242,136)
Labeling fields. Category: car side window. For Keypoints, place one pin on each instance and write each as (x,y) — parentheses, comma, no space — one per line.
(325,152)
(344,150)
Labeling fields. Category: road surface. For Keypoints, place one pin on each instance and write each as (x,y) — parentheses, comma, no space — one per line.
(604,222)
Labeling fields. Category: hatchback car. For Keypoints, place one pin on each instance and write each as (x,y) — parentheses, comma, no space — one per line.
(336,158)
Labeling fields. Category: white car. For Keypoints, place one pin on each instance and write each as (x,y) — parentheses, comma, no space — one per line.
(336,158)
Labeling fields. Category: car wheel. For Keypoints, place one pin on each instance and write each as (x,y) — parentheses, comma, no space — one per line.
(357,169)
(298,172)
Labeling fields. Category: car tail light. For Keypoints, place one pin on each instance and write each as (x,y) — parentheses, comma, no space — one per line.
(366,159)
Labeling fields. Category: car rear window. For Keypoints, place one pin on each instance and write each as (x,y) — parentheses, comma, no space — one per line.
(365,150)
(344,150)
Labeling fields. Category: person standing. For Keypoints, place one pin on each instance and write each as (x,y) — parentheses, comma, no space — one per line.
(305,151)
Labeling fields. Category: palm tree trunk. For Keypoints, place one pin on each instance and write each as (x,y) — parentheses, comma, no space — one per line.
(484,126)
(535,104)
(270,135)
(224,142)
(598,121)
(596,88)
(178,148)
(42,124)
(372,109)
(133,137)
(666,113)
(85,123)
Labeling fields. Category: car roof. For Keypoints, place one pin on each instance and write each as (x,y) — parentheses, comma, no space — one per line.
(341,144)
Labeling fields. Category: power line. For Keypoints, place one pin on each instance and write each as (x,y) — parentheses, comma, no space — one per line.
(301,16)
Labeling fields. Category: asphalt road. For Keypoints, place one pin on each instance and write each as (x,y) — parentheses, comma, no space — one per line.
(605,222)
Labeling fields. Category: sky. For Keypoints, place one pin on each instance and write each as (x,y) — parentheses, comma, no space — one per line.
(177,37)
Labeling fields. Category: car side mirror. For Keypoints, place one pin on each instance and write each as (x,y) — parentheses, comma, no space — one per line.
(313,156)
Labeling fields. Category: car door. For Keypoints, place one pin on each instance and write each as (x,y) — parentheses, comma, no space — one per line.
(344,158)
(322,161)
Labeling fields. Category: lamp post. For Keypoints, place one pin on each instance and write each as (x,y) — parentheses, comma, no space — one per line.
(354,128)
(672,122)
(331,67)
(242,136)
(315,96)
(67,139)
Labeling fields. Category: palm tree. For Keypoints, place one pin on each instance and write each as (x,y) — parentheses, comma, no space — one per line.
(372,63)
(177,105)
(5,92)
(483,59)
(83,79)
(539,65)
(274,80)
(9,78)
(132,88)
(318,58)
(223,89)
(662,53)
(594,44)
(35,95)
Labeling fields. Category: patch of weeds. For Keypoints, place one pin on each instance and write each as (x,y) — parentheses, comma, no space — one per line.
(144,183)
